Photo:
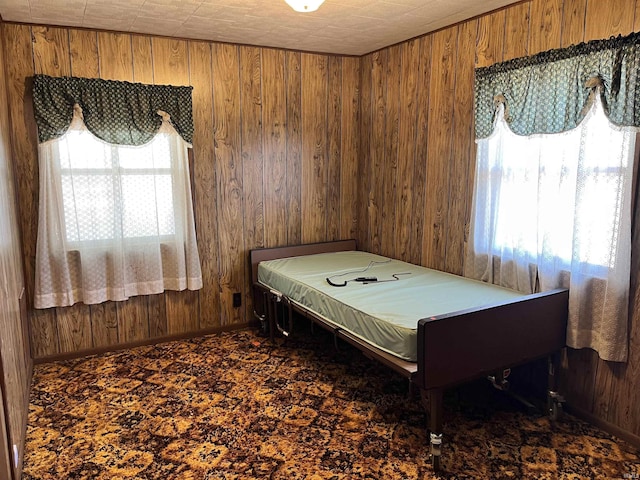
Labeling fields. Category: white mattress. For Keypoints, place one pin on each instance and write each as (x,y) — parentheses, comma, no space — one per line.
(383,313)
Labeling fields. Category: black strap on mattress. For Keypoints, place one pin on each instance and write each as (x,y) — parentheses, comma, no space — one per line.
(365,280)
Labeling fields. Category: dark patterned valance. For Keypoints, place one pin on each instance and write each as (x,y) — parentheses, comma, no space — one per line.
(547,93)
(122,113)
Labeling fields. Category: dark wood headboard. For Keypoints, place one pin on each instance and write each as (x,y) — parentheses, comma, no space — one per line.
(262,254)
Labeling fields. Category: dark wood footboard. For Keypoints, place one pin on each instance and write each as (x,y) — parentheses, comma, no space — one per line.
(461,346)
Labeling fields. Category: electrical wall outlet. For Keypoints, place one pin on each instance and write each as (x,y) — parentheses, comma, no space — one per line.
(237,300)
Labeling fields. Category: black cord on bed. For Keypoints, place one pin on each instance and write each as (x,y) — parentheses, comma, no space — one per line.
(363,280)
(351,272)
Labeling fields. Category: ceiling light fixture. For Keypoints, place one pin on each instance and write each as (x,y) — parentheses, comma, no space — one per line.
(304,5)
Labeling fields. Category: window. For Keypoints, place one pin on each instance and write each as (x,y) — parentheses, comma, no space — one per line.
(115,220)
(558,196)
(553,211)
(111,191)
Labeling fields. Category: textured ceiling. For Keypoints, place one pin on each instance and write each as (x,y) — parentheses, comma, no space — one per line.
(353,27)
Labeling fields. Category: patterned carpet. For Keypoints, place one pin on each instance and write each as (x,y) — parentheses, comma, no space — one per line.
(234,406)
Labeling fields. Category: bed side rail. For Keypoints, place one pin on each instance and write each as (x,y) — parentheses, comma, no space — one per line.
(461,346)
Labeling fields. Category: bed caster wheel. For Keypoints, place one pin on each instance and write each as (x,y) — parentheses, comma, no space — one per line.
(555,406)
(556,411)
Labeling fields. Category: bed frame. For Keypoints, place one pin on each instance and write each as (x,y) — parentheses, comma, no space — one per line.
(496,337)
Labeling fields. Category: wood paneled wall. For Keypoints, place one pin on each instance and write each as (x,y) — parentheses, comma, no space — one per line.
(417,158)
(15,360)
(275,149)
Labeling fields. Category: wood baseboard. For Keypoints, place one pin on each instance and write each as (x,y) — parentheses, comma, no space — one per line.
(608,427)
(140,343)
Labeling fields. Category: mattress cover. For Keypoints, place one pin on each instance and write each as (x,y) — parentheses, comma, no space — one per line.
(384,313)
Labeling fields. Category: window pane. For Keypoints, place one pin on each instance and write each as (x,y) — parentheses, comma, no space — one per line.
(147,205)
(81,150)
(89,207)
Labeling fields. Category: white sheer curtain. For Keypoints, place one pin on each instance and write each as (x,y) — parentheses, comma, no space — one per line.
(114,221)
(555,211)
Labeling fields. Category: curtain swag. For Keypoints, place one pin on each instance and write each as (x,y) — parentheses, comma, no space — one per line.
(121,113)
(548,92)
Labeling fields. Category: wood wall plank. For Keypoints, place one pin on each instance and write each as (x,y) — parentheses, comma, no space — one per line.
(83,46)
(205,188)
(293,75)
(51,57)
(364,186)
(516,34)
(274,121)
(349,173)
(116,62)
(15,359)
(406,148)
(23,141)
(314,147)
(390,151)
(334,146)
(491,37)
(420,160)
(74,328)
(104,324)
(157,315)
(133,319)
(252,158)
(170,61)
(461,162)
(573,19)
(226,108)
(467,30)
(51,51)
(546,24)
(610,18)
(376,149)
(628,378)
(441,93)
(44,333)
(142,59)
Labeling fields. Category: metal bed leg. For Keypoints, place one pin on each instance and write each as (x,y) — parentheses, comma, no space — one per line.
(276,299)
(554,399)
(290,316)
(271,316)
(435,425)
